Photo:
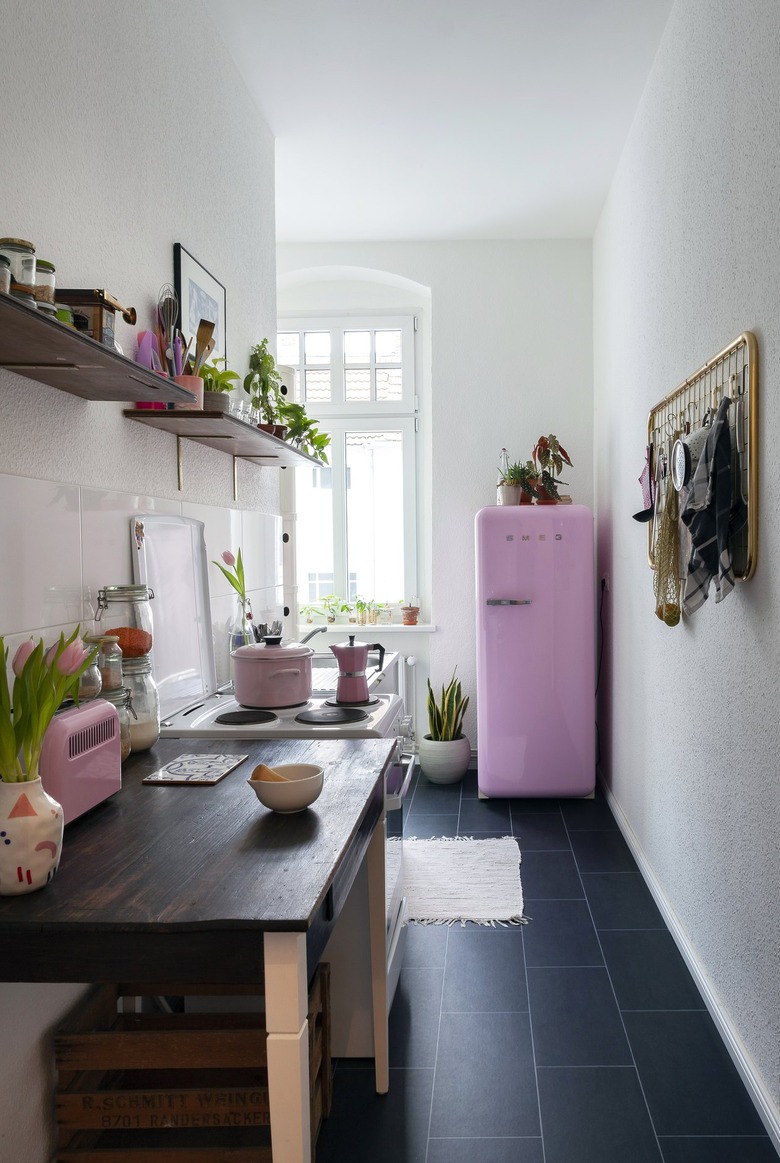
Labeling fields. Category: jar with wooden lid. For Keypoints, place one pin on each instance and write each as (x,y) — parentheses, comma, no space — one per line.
(44,281)
(21,257)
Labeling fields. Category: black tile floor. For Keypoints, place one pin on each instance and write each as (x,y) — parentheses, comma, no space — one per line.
(576,1038)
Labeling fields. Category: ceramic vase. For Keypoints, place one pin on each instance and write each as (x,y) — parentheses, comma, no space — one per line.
(444,760)
(31,824)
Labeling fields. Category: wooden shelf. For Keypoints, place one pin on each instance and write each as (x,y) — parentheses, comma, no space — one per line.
(44,349)
(226,433)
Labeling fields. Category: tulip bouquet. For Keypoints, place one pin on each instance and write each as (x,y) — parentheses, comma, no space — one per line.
(42,680)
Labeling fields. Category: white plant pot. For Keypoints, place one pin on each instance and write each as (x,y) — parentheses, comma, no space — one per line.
(508,494)
(445,760)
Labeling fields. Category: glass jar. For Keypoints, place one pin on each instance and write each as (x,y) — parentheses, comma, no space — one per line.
(5,274)
(145,727)
(125,612)
(109,659)
(90,683)
(44,281)
(120,698)
(21,257)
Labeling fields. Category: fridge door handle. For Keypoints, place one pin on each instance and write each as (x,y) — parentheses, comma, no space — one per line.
(508,602)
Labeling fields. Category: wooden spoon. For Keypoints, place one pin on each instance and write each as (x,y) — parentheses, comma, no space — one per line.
(204,335)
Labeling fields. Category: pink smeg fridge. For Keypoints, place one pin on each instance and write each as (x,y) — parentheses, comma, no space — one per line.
(536,680)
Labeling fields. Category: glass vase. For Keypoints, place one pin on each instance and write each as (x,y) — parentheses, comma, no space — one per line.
(240,629)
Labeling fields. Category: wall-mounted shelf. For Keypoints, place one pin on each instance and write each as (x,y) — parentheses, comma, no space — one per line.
(226,433)
(44,349)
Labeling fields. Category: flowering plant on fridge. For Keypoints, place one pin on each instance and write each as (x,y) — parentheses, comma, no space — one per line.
(43,679)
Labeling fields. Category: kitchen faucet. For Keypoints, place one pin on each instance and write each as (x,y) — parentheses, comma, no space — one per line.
(316,630)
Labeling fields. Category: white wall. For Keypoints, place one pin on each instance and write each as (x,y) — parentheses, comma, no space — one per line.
(687,256)
(508,356)
(125,129)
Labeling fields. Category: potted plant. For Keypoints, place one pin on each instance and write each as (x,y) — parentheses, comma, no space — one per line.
(409,613)
(264,386)
(334,605)
(372,609)
(308,612)
(303,432)
(217,382)
(32,819)
(361,610)
(445,751)
(517,483)
(549,456)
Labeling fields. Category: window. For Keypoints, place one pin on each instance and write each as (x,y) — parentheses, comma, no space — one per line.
(356,517)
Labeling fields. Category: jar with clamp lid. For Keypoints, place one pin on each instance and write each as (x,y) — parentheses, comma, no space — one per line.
(109,659)
(125,612)
(145,726)
(120,698)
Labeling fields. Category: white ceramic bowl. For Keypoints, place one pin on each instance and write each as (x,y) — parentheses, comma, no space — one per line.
(302,785)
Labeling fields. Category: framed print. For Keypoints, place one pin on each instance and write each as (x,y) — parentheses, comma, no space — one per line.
(201,296)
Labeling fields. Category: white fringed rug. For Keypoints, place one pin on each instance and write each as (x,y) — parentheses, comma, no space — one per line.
(463,880)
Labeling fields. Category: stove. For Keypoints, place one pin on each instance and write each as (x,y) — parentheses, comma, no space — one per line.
(378,721)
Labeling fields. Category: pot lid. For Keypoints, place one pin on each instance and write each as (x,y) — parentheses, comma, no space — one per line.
(255,652)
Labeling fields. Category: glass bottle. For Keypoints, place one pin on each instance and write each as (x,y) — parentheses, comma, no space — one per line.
(126,612)
(145,726)
(240,631)
(109,659)
(120,698)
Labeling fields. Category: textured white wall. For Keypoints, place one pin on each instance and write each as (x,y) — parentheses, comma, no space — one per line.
(125,128)
(510,358)
(687,255)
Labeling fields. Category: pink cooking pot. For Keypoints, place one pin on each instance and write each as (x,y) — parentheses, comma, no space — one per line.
(272,675)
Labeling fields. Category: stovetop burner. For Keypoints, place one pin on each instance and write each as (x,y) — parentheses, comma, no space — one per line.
(332,715)
(246,715)
(372,702)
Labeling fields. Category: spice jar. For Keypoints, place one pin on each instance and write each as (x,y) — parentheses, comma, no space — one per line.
(120,698)
(109,659)
(125,612)
(44,281)
(21,257)
(5,274)
(90,682)
(145,727)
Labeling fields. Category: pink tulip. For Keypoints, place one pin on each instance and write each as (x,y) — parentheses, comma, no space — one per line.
(49,658)
(72,657)
(21,656)
(228,558)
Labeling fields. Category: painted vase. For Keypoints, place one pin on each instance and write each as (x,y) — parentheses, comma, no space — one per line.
(31,824)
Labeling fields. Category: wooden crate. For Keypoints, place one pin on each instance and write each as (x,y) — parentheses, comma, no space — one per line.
(175,1087)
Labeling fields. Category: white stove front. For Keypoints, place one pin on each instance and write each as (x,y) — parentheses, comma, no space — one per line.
(199,721)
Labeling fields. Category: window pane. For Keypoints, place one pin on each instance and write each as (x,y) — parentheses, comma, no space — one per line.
(314,541)
(357,347)
(317,387)
(288,345)
(388,347)
(317,346)
(375,527)
(357,384)
(389,384)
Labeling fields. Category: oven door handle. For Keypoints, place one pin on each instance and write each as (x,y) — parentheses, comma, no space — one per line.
(393,802)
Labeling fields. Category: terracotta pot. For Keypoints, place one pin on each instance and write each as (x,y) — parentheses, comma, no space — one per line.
(409,615)
(193,384)
(543,497)
(526,498)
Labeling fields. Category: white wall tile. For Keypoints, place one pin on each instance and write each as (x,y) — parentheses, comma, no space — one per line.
(261,548)
(222,530)
(40,581)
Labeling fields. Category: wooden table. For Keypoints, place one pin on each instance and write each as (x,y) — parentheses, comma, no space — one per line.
(204,884)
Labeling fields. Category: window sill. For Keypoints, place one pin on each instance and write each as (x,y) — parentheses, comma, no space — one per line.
(368,628)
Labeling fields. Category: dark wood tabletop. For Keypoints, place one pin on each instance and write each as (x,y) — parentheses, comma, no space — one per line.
(153,881)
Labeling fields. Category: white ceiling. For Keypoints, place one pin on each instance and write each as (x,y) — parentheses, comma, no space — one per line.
(443,119)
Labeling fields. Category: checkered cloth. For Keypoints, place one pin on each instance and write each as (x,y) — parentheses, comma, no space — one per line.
(713,515)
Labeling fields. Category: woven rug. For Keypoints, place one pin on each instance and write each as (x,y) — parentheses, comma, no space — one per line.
(463,880)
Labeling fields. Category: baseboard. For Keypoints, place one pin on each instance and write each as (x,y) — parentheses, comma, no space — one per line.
(769,1114)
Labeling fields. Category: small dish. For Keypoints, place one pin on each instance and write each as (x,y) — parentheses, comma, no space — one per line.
(301,786)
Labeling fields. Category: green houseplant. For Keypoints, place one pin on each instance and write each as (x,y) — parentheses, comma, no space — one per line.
(264,386)
(517,483)
(217,382)
(445,751)
(549,456)
(303,432)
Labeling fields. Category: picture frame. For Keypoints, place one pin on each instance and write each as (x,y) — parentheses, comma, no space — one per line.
(201,296)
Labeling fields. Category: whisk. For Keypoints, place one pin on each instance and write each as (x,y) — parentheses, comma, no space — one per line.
(167,316)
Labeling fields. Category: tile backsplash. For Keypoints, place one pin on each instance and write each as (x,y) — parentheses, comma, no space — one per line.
(62,543)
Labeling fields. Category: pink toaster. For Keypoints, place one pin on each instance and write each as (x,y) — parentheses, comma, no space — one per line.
(81,761)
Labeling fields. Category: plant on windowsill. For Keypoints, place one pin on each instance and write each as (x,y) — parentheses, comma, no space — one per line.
(361,611)
(445,751)
(334,605)
(409,613)
(549,456)
(309,612)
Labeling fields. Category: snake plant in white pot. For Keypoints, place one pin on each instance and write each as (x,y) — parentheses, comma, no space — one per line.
(445,751)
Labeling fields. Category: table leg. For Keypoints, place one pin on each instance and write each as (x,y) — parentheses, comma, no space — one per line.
(286,1006)
(377,924)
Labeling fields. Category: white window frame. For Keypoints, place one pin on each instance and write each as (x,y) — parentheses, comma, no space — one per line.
(341,416)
